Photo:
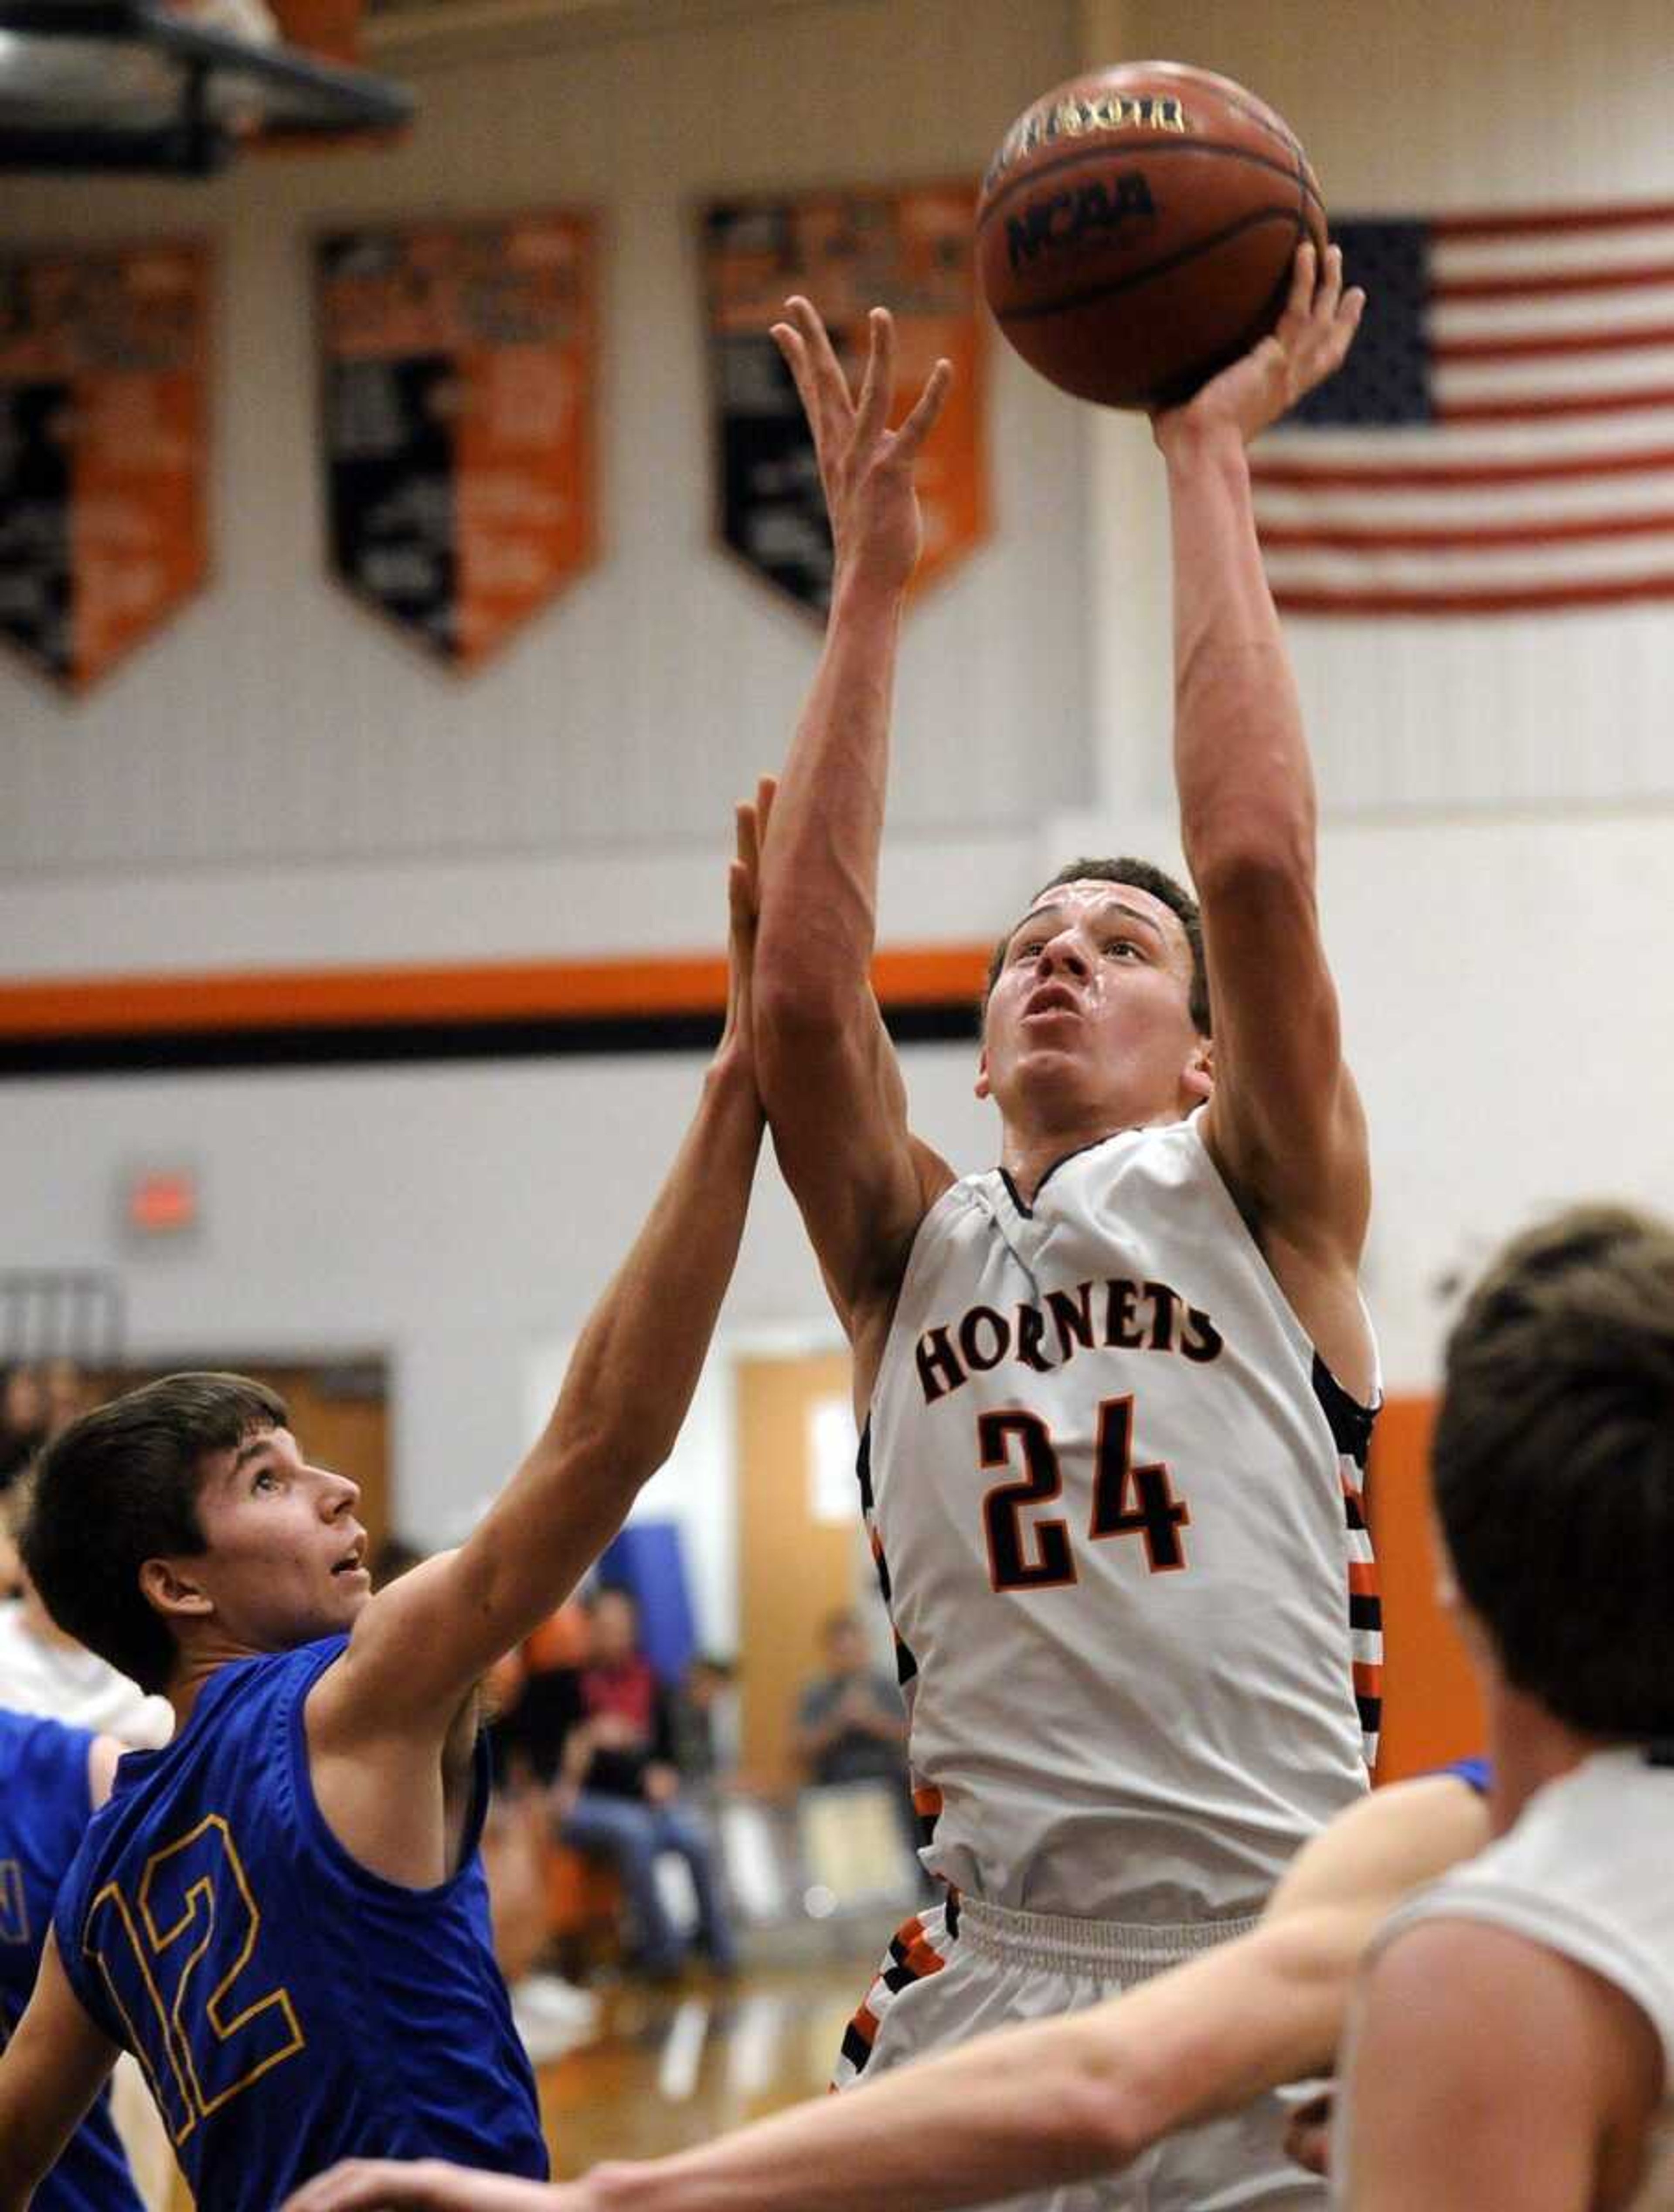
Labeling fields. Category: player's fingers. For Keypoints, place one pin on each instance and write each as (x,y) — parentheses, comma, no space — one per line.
(741,901)
(1328,290)
(927,410)
(351,2187)
(747,834)
(825,414)
(1339,335)
(767,790)
(1304,276)
(832,384)
(879,383)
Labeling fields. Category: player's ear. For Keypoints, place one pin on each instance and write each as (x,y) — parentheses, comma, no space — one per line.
(982,1087)
(165,1585)
(1198,1079)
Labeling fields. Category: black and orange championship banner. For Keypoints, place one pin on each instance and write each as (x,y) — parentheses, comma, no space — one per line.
(907,248)
(104,413)
(460,362)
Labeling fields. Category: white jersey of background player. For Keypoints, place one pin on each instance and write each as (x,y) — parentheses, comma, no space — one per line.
(1111,1740)
(1513,2045)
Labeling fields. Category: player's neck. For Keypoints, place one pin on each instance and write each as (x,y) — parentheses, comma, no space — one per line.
(1031,1148)
(1530,1748)
(200,1660)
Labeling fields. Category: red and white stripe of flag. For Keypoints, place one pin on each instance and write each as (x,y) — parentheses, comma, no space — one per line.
(1547,480)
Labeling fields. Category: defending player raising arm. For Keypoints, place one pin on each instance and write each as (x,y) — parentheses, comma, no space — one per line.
(319,1806)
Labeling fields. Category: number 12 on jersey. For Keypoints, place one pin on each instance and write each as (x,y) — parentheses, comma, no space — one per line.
(1127,1500)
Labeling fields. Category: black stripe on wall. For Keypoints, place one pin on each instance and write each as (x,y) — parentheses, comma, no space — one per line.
(376,1044)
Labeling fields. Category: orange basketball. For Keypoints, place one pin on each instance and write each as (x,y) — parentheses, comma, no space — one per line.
(1136,230)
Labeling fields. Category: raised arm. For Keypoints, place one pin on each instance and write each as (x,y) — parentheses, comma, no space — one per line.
(1285,1122)
(419,1646)
(829,1076)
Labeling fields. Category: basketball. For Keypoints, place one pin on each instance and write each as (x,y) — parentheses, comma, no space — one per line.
(1136,230)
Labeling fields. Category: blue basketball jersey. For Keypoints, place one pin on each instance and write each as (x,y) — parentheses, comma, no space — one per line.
(289,2008)
(43,1812)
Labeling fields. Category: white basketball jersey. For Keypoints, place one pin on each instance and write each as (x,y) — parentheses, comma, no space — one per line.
(1115,1503)
(1585,1873)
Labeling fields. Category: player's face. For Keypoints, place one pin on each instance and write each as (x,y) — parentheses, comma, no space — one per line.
(285,1562)
(1091,1009)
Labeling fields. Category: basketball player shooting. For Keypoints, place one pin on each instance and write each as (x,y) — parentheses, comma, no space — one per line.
(283,1912)
(1116,1391)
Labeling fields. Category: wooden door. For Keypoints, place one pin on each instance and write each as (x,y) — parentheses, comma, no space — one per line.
(795,1566)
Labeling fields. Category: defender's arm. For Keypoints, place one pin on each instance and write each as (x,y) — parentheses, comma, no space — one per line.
(829,1076)
(1285,1123)
(50,2071)
(419,1646)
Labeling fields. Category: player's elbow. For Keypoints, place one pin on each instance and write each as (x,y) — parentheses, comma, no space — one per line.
(1253,853)
(799,1031)
(1099,2120)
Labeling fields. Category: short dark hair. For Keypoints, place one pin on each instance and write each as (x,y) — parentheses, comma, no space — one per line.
(1143,876)
(120,1487)
(1553,1468)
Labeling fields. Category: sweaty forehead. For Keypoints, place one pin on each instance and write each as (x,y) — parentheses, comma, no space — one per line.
(1089,898)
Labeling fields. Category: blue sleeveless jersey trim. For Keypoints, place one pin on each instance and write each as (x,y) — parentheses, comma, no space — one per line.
(44,1808)
(1478,1773)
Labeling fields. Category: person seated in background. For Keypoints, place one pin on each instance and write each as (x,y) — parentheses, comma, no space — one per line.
(618,1792)
(703,1725)
(44,1670)
(851,1725)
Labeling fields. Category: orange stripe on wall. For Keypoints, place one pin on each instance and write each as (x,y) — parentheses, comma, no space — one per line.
(126,1005)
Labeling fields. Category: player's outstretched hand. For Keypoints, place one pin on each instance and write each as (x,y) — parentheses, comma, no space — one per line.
(865,468)
(1310,342)
(744,899)
(377,2185)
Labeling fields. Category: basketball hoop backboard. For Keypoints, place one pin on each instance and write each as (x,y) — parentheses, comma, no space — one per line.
(138,85)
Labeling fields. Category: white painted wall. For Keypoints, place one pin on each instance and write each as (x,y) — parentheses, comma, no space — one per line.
(277,781)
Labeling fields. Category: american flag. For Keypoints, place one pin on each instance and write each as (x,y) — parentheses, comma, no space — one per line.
(1501,438)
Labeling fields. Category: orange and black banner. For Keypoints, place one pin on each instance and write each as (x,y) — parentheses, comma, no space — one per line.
(908,249)
(103,449)
(460,362)
(371,1017)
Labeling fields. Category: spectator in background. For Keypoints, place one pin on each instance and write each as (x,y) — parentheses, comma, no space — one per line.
(617,1791)
(65,1396)
(22,1420)
(851,1725)
(704,1726)
(46,1672)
